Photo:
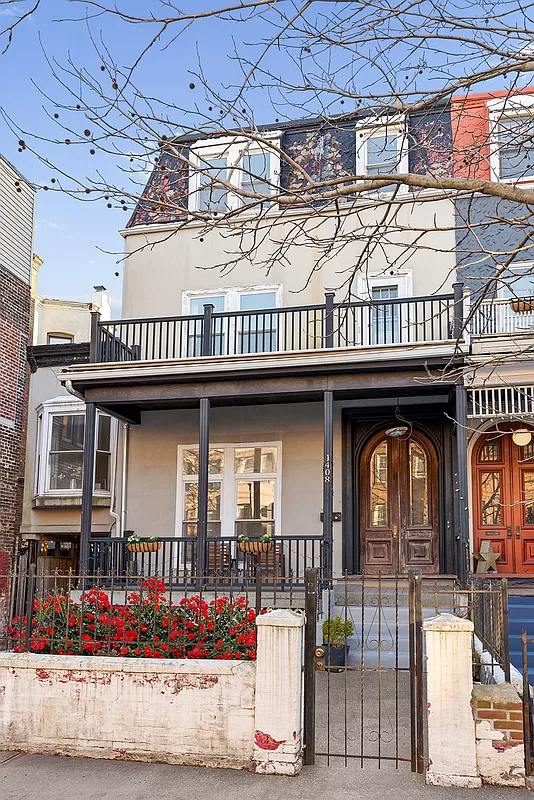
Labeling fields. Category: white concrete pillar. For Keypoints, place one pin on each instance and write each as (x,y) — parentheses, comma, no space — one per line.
(451,728)
(278,721)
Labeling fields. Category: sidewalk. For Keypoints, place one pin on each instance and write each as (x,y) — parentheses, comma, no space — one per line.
(32,777)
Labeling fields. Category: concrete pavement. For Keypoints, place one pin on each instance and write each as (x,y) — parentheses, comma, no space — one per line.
(33,777)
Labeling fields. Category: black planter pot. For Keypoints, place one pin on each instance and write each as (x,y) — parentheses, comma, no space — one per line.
(336,658)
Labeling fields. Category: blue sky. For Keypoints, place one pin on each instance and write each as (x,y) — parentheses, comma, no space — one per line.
(79,241)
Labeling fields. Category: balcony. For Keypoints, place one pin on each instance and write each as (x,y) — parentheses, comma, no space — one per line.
(397,323)
(503,316)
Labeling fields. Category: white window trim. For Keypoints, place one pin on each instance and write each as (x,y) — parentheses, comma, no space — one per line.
(382,127)
(518,107)
(228,485)
(366,283)
(232,294)
(518,267)
(46,413)
(233,149)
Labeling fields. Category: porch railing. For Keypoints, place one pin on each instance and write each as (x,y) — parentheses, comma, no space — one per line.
(288,558)
(503,316)
(403,321)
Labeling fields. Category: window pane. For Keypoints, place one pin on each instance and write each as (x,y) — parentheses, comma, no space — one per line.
(102,471)
(257,300)
(254,460)
(254,529)
(104,432)
(67,432)
(490,491)
(516,149)
(385,328)
(382,154)
(255,175)
(190,462)
(527,452)
(379,485)
(66,470)
(528,497)
(213,197)
(517,282)
(59,338)
(196,304)
(191,529)
(191,501)
(255,500)
(418,485)
(491,451)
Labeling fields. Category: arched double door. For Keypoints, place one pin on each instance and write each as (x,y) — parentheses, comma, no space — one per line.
(399,505)
(503,498)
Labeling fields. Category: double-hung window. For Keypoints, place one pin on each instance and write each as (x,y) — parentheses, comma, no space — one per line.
(381,151)
(256,175)
(515,148)
(385,321)
(212,195)
(61,445)
(252,328)
(243,490)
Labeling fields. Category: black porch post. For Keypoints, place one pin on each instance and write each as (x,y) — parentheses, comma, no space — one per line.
(203,464)
(462,538)
(87,484)
(328,486)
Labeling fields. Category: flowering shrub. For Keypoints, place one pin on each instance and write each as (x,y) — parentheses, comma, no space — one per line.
(147,626)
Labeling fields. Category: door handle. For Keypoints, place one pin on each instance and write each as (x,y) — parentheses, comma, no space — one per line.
(395,531)
(517,532)
(509,531)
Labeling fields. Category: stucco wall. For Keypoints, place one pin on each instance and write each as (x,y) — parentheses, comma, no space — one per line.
(143,709)
(191,258)
(153,462)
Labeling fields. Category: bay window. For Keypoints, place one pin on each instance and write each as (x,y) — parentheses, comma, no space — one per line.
(61,444)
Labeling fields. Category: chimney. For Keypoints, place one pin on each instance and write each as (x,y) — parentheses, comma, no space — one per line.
(103,301)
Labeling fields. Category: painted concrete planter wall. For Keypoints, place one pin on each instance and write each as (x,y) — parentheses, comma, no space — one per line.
(207,712)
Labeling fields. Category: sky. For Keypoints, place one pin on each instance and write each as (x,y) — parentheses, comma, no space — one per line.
(79,241)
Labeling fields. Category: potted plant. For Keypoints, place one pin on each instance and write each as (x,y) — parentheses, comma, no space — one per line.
(261,545)
(136,544)
(519,304)
(336,631)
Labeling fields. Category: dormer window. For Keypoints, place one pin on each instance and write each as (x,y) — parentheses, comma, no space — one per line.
(512,138)
(381,150)
(248,166)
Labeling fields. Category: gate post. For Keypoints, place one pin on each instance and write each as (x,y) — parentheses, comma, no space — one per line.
(451,727)
(278,715)
(310,638)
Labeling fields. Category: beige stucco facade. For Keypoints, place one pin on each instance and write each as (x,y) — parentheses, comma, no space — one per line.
(164,261)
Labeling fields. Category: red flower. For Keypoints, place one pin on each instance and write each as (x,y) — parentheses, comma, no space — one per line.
(130,636)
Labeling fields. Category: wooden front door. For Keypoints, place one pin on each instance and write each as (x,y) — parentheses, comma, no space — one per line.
(503,499)
(399,506)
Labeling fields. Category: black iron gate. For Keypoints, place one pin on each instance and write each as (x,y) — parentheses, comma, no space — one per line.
(528,712)
(364,693)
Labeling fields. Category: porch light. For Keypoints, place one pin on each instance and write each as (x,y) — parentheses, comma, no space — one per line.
(522,437)
(398,432)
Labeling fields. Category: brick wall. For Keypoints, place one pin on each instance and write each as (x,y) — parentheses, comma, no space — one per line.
(15,326)
(497,710)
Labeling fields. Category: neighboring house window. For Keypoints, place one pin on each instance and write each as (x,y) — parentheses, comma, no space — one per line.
(515,148)
(248,331)
(244,165)
(381,150)
(60,465)
(517,281)
(243,490)
(59,338)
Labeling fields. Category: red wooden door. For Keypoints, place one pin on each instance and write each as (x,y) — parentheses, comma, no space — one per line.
(399,506)
(503,496)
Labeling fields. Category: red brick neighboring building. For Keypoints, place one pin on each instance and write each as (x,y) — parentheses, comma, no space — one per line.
(17,198)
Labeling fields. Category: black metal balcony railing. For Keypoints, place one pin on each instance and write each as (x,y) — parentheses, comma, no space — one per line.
(403,321)
(177,558)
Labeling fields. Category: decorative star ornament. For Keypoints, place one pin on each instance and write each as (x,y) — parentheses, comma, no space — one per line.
(487,558)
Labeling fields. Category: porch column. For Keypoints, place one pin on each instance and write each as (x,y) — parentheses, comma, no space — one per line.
(328,486)
(203,463)
(462,537)
(87,484)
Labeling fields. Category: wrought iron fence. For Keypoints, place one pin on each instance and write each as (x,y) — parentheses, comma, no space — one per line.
(287,329)
(135,615)
(284,561)
(528,708)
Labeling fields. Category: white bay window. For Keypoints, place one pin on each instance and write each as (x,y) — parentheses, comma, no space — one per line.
(61,444)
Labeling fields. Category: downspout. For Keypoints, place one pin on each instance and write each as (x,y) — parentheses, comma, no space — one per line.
(124,476)
(112,511)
